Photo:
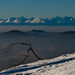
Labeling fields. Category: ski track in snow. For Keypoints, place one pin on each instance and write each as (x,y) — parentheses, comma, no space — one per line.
(62,65)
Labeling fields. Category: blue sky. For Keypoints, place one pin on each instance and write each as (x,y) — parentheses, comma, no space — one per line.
(37,8)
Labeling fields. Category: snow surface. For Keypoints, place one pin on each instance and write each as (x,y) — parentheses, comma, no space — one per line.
(62,65)
(16,21)
(28,21)
(1,21)
(36,20)
(7,21)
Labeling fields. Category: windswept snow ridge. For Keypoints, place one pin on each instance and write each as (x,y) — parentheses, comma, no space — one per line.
(62,65)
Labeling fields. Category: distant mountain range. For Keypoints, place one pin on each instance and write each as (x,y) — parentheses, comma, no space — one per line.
(38,21)
(36,31)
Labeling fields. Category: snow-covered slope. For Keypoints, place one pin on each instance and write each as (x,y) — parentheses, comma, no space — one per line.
(16,21)
(1,21)
(36,20)
(62,65)
(7,21)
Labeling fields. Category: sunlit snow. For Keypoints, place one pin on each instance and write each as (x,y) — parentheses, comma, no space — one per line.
(16,21)
(7,21)
(62,65)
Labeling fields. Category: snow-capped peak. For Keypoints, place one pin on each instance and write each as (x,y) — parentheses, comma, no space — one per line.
(36,20)
(1,21)
(47,21)
(42,21)
(16,21)
(28,21)
(7,21)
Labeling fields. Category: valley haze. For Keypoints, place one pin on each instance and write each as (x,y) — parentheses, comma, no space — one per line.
(45,44)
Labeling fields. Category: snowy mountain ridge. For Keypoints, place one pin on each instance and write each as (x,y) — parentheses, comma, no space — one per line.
(38,21)
(62,65)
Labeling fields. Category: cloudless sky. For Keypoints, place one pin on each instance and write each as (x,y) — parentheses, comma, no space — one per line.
(37,8)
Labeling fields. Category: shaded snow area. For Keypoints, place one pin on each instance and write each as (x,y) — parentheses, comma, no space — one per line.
(62,65)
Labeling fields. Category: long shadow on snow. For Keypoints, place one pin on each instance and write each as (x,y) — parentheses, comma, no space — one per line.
(25,69)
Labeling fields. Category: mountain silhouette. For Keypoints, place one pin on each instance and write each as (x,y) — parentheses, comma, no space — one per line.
(60,21)
(68,32)
(38,31)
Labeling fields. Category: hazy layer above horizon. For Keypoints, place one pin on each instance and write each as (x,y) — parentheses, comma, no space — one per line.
(45,28)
